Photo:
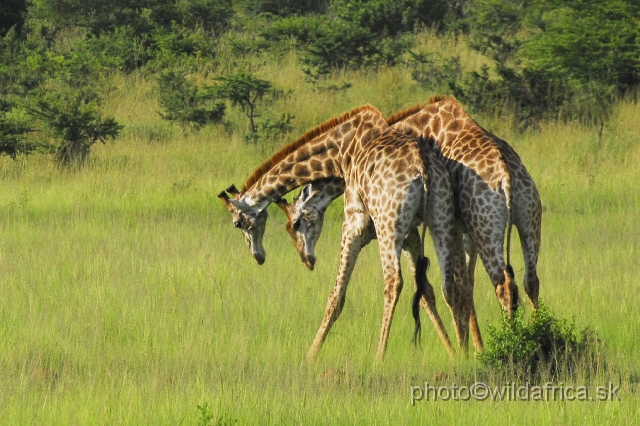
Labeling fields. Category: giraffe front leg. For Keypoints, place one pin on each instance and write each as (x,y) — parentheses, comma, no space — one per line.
(352,242)
(411,250)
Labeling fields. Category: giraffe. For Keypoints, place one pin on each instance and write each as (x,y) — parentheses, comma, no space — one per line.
(305,217)
(493,191)
(386,183)
(501,163)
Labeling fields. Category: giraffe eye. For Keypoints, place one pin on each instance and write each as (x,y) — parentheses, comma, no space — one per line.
(296,224)
(237,224)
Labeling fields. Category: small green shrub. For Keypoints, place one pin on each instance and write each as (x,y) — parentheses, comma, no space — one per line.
(392,18)
(544,345)
(206,417)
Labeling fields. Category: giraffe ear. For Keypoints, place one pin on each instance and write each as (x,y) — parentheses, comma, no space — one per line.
(224,197)
(305,194)
(233,190)
(285,206)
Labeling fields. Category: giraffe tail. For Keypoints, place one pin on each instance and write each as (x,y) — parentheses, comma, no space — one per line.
(506,187)
(422,265)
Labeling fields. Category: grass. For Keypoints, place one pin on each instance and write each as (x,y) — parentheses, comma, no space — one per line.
(129,298)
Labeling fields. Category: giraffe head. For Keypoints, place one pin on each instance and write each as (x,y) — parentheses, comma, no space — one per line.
(304,223)
(250,221)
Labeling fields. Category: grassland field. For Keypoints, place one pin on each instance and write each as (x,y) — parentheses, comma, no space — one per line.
(129,298)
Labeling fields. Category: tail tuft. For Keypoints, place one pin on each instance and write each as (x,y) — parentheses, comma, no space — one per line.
(422,264)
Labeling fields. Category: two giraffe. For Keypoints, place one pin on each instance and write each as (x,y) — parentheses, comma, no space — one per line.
(483,170)
(490,184)
(386,183)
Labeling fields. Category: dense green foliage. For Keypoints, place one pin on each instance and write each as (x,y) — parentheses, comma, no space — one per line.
(185,102)
(544,60)
(543,346)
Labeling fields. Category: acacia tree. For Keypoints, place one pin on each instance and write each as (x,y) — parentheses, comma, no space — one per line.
(244,90)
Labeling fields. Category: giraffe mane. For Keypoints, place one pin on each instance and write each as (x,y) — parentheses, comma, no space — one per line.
(438,98)
(302,140)
(402,114)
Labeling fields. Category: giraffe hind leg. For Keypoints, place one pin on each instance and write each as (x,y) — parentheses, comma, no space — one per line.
(530,249)
(471,259)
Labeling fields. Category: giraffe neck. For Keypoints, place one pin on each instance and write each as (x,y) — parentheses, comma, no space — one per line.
(324,156)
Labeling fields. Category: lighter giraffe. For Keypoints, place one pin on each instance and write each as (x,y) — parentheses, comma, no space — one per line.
(386,183)
(305,217)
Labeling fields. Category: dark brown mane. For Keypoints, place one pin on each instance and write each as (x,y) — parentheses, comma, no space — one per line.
(438,98)
(305,138)
(401,115)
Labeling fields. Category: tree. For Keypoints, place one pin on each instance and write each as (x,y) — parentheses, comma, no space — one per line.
(243,90)
(75,122)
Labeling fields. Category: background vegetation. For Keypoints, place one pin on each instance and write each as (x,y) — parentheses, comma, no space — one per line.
(129,298)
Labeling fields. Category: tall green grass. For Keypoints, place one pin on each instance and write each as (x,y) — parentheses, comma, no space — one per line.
(129,298)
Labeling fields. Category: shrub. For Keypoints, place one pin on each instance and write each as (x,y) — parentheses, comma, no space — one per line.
(392,18)
(13,132)
(186,103)
(213,16)
(288,7)
(543,345)
(12,13)
(272,129)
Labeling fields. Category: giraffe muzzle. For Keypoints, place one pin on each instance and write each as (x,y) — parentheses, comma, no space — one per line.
(259,257)
(310,262)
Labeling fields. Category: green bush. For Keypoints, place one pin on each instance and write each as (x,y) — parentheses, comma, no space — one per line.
(13,132)
(554,60)
(392,18)
(181,46)
(12,14)
(288,7)
(544,345)
(186,103)
(245,91)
